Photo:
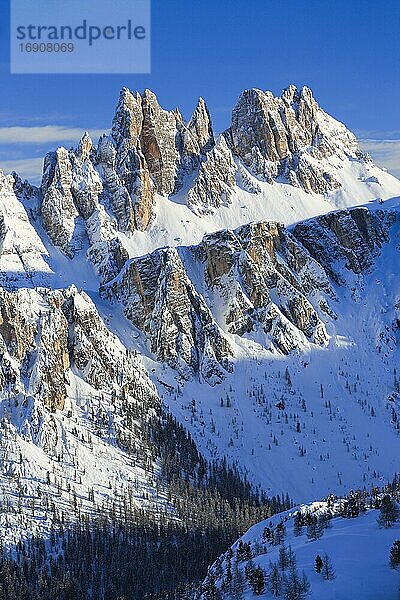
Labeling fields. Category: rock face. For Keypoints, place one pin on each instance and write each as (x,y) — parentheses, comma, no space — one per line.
(115,197)
(351,238)
(265,280)
(158,138)
(288,136)
(98,354)
(200,127)
(172,148)
(260,280)
(70,189)
(160,299)
(124,168)
(58,209)
(34,346)
(45,333)
(215,181)
(106,252)
(75,192)
(157,146)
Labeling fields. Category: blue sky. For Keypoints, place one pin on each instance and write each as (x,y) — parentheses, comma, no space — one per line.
(348,52)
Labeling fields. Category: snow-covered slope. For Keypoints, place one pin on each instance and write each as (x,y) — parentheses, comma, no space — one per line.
(279,347)
(75,405)
(358,551)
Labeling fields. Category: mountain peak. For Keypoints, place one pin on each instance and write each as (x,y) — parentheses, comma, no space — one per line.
(85,146)
(200,126)
(128,118)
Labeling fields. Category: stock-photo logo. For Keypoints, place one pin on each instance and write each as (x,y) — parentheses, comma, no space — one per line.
(80,36)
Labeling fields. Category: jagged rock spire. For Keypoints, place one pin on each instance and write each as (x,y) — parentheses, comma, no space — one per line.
(58,209)
(128,118)
(170,147)
(85,146)
(201,128)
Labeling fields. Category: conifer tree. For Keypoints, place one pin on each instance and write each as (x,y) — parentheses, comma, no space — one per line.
(238,584)
(328,572)
(314,528)
(394,556)
(389,512)
(298,524)
(274,580)
(256,577)
(295,587)
(318,563)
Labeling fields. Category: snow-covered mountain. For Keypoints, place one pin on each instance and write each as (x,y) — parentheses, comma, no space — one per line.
(233,296)
(156,180)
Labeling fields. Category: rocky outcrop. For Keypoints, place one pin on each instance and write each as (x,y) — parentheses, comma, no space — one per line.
(86,184)
(76,405)
(158,139)
(70,190)
(34,353)
(58,208)
(156,148)
(215,182)
(103,361)
(49,373)
(263,278)
(106,252)
(195,140)
(350,239)
(130,188)
(115,196)
(128,121)
(137,180)
(74,191)
(288,136)
(3,231)
(150,150)
(159,298)
(200,127)
(44,333)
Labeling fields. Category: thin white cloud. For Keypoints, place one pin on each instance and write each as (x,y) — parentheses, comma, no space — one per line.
(27,168)
(377,135)
(385,153)
(41,135)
